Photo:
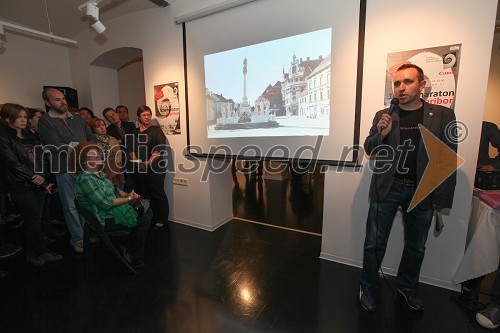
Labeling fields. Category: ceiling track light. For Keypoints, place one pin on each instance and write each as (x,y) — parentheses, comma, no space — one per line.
(92,12)
(98,27)
(91,2)
(162,3)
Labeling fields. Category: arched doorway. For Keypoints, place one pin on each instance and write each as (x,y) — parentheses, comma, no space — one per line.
(117,78)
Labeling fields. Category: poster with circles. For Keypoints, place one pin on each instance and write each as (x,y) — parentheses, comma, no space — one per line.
(167,108)
(440,65)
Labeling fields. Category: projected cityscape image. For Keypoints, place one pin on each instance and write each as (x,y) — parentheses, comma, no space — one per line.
(276,88)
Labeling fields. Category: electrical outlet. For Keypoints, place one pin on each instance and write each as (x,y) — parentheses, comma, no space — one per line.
(180,181)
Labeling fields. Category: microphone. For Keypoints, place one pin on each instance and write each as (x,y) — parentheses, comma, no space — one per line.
(394,105)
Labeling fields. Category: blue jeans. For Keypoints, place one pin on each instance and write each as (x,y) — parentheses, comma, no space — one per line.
(416,225)
(66,187)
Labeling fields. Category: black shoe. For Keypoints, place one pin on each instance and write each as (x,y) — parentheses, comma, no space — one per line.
(411,299)
(51,256)
(56,234)
(48,240)
(8,250)
(367,299)
(34,259)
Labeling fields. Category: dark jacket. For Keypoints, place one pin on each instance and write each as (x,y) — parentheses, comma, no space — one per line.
(489,135)
(16,169)
(437,120)
(113,130)
(145,143)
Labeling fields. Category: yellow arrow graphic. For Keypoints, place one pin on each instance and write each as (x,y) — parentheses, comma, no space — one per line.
(443,161)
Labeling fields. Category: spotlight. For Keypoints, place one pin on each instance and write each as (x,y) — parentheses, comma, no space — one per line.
(93,11)
(98,27)
(162,3)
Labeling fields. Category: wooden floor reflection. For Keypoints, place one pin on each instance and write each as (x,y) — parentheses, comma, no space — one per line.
(295,202)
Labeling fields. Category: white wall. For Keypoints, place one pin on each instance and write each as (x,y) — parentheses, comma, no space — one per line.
(406,27)
(104,88)
(27,64)
(131,87)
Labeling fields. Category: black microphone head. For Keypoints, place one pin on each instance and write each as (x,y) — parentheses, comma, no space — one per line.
(394,105)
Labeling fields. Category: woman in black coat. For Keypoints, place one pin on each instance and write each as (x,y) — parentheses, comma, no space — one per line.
(148,152)
(24,175)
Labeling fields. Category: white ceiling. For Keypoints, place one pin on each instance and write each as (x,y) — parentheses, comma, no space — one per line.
(65,19)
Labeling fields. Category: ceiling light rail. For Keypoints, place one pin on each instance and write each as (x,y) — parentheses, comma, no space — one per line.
(32,32)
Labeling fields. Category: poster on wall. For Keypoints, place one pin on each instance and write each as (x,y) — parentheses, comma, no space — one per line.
(167,107)
(440,65)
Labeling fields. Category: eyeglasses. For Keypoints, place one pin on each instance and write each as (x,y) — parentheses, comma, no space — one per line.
(145,115)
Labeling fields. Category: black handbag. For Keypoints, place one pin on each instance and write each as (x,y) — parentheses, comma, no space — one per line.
(140,206)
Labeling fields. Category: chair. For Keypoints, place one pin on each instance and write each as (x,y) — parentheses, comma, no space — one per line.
(92,222)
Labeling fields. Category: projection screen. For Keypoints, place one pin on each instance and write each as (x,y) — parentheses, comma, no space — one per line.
(275,79)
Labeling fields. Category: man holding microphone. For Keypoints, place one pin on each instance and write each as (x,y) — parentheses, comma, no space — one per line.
(395,135)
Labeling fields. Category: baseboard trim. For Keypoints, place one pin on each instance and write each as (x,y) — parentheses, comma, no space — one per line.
(202,226)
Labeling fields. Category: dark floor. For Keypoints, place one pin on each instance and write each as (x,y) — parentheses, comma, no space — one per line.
(243,277)
(295,203)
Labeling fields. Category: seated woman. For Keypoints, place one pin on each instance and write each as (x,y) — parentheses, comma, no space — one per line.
(94,191)
(112,153)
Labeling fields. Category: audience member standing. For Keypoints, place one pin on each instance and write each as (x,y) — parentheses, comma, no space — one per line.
(149,149)
(34,116)
(122,112)
(86,114)
(6,249)
(24,177)
(120,129)
(490,134)
(62,131)
(111,151)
